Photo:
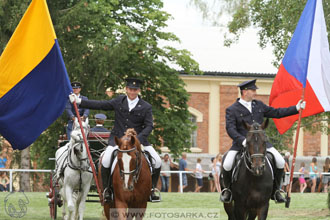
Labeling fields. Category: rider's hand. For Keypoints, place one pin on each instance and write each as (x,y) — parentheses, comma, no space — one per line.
(244,143)
(301,105)
(73,97)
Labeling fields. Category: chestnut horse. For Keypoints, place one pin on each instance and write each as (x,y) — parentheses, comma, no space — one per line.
(131,180)
(253,187)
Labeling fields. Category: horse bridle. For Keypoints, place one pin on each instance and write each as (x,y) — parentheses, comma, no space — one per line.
(138,165)
(70,163)
(248,157)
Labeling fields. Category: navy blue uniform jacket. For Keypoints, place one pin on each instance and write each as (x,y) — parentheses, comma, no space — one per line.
(71,112)
(237,113)
(139,118)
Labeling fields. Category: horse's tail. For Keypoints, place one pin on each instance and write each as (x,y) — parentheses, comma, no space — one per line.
(130,132)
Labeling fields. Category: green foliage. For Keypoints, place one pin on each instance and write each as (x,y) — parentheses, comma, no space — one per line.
(105,41)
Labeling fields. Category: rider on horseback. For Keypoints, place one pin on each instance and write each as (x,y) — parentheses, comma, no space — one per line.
(247,109)
(131,111)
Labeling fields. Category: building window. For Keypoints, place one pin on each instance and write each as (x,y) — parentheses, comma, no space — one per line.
(193,136)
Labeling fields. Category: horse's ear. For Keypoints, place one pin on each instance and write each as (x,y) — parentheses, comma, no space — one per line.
(76,123)
(246,125)
(117,141)
(132,140)
(86,122)
(265,124)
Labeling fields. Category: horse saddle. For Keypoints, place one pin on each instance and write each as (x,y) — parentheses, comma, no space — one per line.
(270,159)
(146,154)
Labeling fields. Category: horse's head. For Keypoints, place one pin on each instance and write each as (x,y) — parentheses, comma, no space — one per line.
(256,149)
(129,158)
(76,125)
(78,150)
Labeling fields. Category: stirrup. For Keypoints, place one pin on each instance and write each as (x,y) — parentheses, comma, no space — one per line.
(153,192)
(279,191)
(109,196)
(222,193)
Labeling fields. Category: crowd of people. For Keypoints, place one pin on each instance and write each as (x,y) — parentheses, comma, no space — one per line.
(306,175)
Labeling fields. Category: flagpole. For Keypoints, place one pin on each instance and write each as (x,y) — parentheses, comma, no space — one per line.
(88,153)
(288,196)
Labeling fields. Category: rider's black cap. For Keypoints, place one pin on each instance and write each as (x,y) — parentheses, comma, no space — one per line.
(133,83)
(250,84)
(76,85)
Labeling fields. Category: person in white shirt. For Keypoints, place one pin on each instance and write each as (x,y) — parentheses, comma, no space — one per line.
(199,175)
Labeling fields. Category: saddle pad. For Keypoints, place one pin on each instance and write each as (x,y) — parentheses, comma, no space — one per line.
(113,165)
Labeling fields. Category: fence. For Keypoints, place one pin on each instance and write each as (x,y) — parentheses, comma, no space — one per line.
(171,172)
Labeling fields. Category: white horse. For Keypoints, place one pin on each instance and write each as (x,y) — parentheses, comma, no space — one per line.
(74,174)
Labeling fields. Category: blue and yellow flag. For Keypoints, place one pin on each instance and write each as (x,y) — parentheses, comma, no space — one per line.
(34,85)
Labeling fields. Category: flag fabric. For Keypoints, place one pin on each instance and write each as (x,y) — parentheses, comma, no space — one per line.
(306,64)
(34,85)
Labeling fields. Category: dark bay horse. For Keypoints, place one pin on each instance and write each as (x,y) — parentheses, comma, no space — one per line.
(131,180)
(253,188)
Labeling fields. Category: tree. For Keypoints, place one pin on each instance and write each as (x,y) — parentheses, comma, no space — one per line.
(276,21)
(105,41)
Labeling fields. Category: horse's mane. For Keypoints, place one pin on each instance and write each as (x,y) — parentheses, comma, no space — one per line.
(131,133)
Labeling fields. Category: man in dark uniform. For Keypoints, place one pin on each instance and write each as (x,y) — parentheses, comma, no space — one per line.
(99,118)
(250,110)
(130,112)
(83,112)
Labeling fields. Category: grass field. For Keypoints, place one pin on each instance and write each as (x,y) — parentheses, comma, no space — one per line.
(174,206)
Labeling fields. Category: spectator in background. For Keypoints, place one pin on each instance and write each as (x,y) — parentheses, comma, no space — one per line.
(199,175)
(99,119)
(302,181)
(3,159)
(69,108)
(166,166)
(313,173)
(217,165)
(286,180)
(211,175)
(183,167)
(4,182)
(326,178)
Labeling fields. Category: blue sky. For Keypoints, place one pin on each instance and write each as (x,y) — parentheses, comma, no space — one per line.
(205,42)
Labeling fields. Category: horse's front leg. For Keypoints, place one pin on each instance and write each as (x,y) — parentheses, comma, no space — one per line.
(69,198)
(263,211)
(82,198)
(239,210)
(121,209)
(62,193)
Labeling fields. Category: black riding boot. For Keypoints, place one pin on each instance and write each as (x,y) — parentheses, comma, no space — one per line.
(276,195)
(155,178)
(107,193)
(225,195)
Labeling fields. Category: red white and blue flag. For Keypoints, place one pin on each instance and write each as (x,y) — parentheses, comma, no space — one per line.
(306,64)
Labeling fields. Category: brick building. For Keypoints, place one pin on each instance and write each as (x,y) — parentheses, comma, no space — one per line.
(213,92)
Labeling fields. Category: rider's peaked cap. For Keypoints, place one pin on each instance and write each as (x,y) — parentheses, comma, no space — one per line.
(133,83)
(76,85)
(250,84)
(100,116)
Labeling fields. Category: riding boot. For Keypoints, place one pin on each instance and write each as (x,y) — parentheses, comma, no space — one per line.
(226,195)
(276,194)
(107,193)
(155,178)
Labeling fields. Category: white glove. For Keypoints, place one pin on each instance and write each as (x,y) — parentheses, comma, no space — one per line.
(73,97)
(244,143)
(301,105)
